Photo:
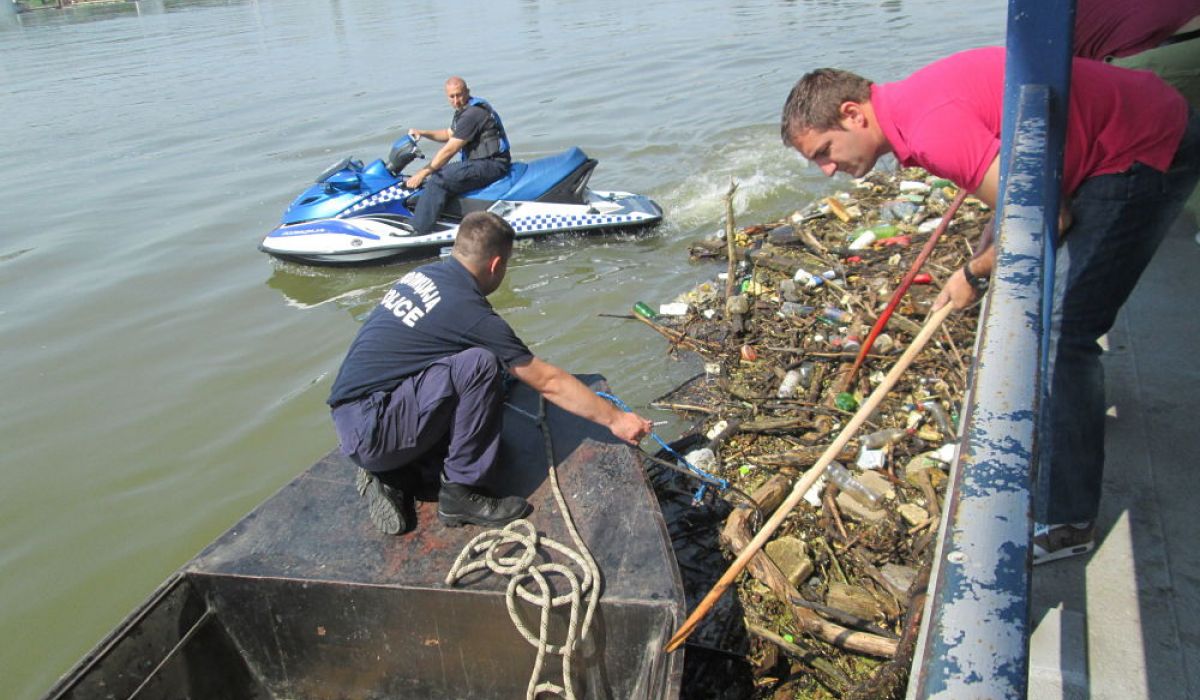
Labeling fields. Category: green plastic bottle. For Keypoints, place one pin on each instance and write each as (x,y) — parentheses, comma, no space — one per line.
(642,309)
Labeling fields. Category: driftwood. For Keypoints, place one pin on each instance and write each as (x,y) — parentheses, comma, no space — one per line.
(889,679)
(736,535)
(801,457)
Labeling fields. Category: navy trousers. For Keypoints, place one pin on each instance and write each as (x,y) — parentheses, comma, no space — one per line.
(447,417)
(453,179)
(1119,221)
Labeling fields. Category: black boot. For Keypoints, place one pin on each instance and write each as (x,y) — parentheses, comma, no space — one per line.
(385,504)
(459,504)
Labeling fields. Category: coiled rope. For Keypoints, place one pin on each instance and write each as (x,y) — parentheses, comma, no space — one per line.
(519,541)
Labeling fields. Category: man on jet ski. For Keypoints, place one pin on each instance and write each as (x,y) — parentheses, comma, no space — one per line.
(476,133)
(421,390)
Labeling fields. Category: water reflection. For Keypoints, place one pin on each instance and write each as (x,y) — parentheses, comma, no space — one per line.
(23,14)
(356,290)
(150,7)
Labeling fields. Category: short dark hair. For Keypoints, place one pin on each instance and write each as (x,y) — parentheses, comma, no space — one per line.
(816,99)
(482,236)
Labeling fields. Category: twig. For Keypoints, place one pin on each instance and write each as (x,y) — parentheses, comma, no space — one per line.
(837,517)
(731,280)
(824,671)
(682,407)
(962,366)
(870,570)
(833,559)
(679,338)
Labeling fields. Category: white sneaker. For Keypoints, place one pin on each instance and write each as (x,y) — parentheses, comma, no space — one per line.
(1053,542)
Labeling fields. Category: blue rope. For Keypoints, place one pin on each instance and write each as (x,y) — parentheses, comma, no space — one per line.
(705,477)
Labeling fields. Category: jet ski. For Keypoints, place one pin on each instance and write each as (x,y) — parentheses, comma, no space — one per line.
(358,214)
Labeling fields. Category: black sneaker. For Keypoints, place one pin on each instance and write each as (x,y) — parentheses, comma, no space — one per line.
(1053,542)
(459,504)
(385,504)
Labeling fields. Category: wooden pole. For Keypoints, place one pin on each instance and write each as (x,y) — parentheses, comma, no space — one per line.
(810,477)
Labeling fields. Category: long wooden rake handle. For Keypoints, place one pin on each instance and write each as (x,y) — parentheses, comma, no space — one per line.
(810,477)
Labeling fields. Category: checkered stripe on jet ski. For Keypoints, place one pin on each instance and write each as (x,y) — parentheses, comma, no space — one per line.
(386,195)
(552,222)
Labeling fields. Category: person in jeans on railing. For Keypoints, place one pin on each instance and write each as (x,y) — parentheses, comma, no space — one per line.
(1126,175)
(1158,35)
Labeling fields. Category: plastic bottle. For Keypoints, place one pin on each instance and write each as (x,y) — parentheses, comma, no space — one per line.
(806,374)
(866,236)
(845,401)
(787,290)
(939,416)
(643,309)
(791,381)
(846,482)
(833,313)
(789,309)
(898,210)
(807,278)
(882,438)
(863,240)
(703,459)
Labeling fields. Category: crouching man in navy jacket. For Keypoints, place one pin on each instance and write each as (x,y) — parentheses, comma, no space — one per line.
(419,395)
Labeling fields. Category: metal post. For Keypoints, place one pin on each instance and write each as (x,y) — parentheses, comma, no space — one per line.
(975,633)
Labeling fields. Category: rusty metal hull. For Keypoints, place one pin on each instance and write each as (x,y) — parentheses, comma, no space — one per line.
(304,598)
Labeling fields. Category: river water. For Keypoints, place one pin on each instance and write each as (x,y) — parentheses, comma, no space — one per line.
(160,376)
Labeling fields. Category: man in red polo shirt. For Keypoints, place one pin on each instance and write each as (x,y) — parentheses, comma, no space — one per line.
(1132,157)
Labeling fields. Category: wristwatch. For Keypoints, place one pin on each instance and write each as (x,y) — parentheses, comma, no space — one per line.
(979,284)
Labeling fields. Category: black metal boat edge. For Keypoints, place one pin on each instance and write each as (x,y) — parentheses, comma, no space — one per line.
(303,598)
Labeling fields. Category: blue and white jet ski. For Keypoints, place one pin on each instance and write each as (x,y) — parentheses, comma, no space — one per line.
(356,214)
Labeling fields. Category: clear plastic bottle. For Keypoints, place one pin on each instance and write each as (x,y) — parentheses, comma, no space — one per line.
(939,416)
(791,381)
(806,374)
(789,309)
(846,482)
(881,438)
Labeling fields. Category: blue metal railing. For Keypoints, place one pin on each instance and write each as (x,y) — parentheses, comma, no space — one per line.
(975,634)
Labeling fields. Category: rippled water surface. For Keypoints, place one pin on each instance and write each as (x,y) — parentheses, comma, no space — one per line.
(160,376)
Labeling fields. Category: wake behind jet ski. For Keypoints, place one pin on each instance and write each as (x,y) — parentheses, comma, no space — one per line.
(358,214)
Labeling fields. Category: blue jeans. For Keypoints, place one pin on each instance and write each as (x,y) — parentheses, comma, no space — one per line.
(1119,220)
(453,179)
(446,417)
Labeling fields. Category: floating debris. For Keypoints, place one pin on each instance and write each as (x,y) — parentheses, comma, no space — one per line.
(832,604)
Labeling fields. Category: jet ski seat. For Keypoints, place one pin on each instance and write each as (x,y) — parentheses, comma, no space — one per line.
(528,181)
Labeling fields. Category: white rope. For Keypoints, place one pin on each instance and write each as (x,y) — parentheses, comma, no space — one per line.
(511,551)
